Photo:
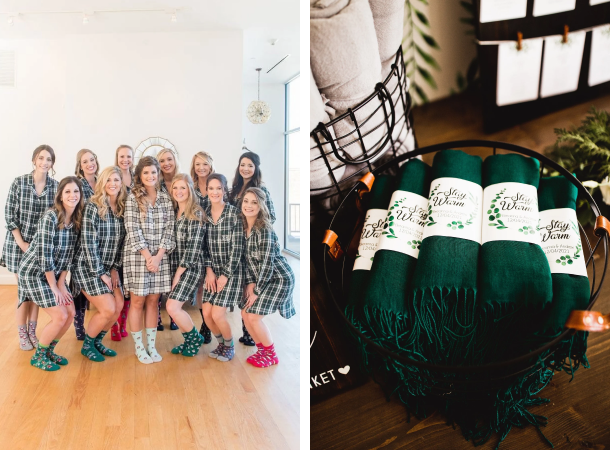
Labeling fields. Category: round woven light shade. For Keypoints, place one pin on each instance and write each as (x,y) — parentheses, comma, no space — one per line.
(258,112)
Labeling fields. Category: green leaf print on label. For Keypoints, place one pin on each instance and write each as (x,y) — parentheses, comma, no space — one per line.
(430,219)
(494,213)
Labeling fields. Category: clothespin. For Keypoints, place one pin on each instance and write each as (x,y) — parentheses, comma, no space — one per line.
(566,29)
(519,40)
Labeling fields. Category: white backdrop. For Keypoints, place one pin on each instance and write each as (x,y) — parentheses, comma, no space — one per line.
(99,91)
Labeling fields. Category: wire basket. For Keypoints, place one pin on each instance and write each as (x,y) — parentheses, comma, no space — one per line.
(453,381)
(381,129)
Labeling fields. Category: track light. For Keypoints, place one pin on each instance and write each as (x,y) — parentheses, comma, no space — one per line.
(10,21)
(85,19)
(174,19)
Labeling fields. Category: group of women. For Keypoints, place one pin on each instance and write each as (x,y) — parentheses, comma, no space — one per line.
(128,236)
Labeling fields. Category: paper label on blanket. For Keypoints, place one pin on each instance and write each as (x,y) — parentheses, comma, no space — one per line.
(510,213)
(545,7)
(405,222)
(494,10)
(560,241)
(599,66)
(454,209)
(561,65)
(371,232)
(518,71)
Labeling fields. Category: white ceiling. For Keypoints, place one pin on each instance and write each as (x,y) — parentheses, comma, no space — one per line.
(260,20)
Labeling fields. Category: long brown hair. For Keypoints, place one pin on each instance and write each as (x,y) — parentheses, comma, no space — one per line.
(238,180)
(139,191)
(263,219)
(100,197)
(58,206)
(205,156)
(192,211)
(48,148)
(78,171)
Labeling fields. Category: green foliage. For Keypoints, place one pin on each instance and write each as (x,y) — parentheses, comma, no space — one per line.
(471,79)
(585,152)
(417,57)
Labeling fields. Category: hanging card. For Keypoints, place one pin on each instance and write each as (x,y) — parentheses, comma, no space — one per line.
(599,67)
(518,72)
(561,64)
(494,10)
(546,7)
(598,2)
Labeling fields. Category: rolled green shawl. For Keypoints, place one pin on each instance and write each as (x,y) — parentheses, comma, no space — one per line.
(385,304)
(445,279)
(376,206)
(515,278)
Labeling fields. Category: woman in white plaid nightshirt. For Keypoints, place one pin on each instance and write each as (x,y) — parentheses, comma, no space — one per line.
(248,174)
(202,166)
(187,261)
(98,259)
(169,168)
(28,198)
(87,169)
(269,278)
(149,222)
(45,265)
(123,159)
(223,254)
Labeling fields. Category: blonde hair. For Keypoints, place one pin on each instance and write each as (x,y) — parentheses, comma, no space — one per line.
(139,191)
(116,156)
(263,219)
(58,206)
(176,165)
(78,171)
(100,198)
(192,211)
(206,157)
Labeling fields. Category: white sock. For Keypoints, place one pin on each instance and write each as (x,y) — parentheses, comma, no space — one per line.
(151,337)
(143,357)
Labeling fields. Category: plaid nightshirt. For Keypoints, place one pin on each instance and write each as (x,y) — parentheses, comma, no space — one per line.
(87,189)
(152,230)
(99,251)
(203,200)
(23,210)
(223,251)
(50,250)
(274,278)
(190,235)
(269,203)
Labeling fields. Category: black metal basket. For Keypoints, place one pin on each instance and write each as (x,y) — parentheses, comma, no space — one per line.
(396,119)
(449,380)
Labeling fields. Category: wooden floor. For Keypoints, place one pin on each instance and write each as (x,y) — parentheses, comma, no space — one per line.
(179,403)
(579,412)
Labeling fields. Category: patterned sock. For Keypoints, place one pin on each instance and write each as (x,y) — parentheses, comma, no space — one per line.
(32,333)
(218,350)
(160,326)
(179,348)
(228,351)
(143,357)
(101,347)
(193,343)
(57,359)
(259,350)
(79,324)
(24,338)
(267,358)
(42,361)
(90,351)
(151,337)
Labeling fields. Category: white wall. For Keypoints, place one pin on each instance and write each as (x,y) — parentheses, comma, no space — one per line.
(99,91)
(267,140)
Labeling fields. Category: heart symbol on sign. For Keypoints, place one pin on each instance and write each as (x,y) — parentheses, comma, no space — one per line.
(343,370)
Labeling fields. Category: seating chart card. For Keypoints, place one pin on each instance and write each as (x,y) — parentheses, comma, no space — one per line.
(518,72)
(494,10)
(561,64)
(599,67)
(546,7)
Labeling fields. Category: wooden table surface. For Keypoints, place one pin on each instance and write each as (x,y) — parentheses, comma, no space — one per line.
(578,412)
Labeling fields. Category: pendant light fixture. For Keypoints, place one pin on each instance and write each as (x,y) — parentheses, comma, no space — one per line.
(258,112)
